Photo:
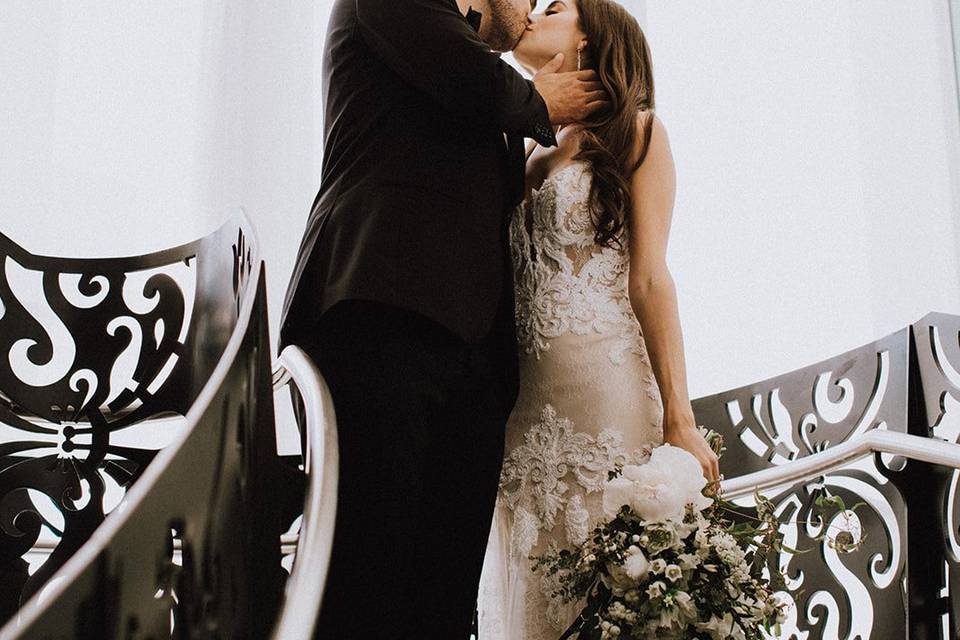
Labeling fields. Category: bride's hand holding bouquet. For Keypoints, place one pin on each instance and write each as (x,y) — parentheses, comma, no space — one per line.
(681,430)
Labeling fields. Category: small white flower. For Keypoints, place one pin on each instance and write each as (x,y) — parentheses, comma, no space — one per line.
(658,565)
(673,572)
(667,617)
(656,589)
(723,541)
(773,606)
(684,529)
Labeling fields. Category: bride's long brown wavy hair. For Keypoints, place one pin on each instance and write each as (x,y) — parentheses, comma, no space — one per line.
(617,50)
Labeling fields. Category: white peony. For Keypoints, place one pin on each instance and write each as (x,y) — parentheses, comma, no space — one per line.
(683,465)
(686,471)
(699,501)
(616,493)
(660,489)
(656,497)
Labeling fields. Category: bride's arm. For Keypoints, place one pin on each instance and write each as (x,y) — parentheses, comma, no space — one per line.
(653,295)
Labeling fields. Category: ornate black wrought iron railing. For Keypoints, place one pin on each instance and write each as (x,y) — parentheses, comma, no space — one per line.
(934,532)
(856,426)
(780,421)
(109,347)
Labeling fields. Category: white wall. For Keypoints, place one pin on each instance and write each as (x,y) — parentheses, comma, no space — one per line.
(818,155)
(117,130)
(132,126)
(817,149)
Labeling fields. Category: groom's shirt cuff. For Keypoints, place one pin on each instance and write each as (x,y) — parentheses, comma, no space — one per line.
(541,129)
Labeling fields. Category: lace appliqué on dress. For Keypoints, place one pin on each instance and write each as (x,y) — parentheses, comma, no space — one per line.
(544,481)
(564,281)
(557,613)
(536,478)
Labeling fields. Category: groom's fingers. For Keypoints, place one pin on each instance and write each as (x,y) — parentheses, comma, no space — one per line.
(592,86)
(593,96)
(597,105)
(551,67)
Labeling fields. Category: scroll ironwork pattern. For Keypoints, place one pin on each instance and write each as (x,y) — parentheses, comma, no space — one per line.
(798,414)
(99,362)
(227,582)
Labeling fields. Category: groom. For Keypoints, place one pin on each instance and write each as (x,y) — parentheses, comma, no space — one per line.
(402,295)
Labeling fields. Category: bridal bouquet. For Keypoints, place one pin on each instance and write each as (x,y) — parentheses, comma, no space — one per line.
(667,564)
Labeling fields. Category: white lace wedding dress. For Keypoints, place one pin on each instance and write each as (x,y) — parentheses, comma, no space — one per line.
(588,399)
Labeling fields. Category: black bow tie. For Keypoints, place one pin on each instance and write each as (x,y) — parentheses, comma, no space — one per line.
(473,18)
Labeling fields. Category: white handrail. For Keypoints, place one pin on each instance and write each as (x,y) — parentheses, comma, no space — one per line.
(304,589)
(288,542)
(932,450)
(918,448)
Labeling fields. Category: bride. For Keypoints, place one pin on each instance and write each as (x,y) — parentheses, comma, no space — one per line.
(602,370)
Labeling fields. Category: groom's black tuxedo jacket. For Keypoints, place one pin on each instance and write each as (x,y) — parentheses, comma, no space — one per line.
(417,180)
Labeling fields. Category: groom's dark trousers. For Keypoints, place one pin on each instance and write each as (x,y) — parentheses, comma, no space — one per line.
(421,418)
(402,295)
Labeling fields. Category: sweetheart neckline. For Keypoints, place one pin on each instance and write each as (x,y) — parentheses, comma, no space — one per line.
(553,175)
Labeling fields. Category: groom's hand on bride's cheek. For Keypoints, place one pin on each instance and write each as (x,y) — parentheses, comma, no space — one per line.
(571,96)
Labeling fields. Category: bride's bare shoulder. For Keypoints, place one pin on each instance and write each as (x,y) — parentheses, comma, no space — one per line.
(652,144)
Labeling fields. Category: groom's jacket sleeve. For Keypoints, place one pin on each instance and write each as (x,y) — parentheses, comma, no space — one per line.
(431,46)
